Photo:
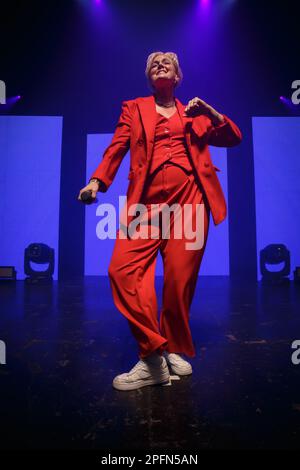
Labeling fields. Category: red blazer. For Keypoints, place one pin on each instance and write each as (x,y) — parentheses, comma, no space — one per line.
(135,131)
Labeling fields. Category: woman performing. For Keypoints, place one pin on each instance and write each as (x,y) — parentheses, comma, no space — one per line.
(170,167)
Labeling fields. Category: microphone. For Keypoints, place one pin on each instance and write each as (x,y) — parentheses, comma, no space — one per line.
(86,197)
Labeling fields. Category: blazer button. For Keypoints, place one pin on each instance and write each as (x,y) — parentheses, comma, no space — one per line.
(140,141)
(140,165)
(206,164)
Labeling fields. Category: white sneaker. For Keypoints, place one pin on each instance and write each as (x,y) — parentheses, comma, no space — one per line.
(142,374)
(177,364)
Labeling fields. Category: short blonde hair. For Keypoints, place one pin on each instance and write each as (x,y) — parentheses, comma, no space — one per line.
(174,59)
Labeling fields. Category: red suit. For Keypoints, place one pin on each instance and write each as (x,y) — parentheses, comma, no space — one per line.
(169,163)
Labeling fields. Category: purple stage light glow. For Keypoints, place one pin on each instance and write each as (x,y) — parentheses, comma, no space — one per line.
(10,103)
(289,104)
(204,8)
(284,99)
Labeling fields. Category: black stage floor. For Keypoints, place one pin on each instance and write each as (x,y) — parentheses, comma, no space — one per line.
(66,342)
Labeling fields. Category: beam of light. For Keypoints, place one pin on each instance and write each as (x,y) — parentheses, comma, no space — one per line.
(289,104)
(205,3)
(10,102)
(89,3)
(204,9)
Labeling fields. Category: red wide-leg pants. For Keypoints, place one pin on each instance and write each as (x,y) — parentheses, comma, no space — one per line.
(132,268)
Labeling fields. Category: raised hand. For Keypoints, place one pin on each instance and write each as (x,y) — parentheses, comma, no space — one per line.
(198,107)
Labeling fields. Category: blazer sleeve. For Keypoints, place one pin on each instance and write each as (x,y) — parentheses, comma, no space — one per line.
(225,134)
(117,149)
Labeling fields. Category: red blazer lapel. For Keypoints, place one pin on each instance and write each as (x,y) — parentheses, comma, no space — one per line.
(148,116)
(147,110)
(186,121)
(196,123)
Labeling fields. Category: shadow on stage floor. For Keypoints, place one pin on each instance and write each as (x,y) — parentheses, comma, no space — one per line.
(65,342)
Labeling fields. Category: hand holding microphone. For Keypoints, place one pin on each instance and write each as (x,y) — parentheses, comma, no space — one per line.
(87,195)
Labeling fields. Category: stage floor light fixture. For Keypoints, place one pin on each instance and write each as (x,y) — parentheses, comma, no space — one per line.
(275,254)
(38,253)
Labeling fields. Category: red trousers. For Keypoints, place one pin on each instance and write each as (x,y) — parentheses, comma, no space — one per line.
(132,268)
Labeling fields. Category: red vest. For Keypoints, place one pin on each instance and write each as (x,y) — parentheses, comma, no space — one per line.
(169,143)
